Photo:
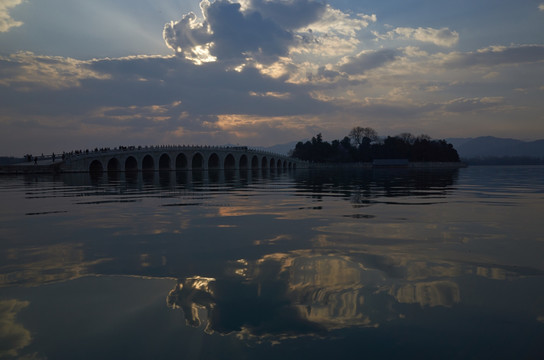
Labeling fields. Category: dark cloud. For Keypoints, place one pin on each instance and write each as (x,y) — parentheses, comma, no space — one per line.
(497,56)
(369,60)
(236,33)
(264,30)
(398,112)
(228,33)
(293,14)
(186,33)
(206,89)
(322,72)
(127,86)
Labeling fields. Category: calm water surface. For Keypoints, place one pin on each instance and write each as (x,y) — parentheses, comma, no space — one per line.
(373,264)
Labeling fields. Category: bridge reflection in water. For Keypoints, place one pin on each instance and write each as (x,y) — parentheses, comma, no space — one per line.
(171,180)
(169,158)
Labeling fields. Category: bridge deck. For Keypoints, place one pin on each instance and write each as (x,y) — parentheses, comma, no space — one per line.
(155,158)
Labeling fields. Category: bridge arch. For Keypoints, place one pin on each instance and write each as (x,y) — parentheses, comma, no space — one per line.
(197,162)
(165,162)
(264,163)
(96,167)
(243,162)
(254,162)
(213,161)
(181,162)
(114,165)
(230,162)
(272,163)
(279,164)
(131,164)
(148,164)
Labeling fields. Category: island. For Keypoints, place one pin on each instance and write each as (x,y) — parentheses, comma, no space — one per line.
(364,147)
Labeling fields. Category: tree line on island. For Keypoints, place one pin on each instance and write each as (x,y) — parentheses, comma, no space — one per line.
(364,145)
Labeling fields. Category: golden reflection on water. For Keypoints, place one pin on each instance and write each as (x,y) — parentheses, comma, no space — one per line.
(40,265)
(192,295)
(434,293)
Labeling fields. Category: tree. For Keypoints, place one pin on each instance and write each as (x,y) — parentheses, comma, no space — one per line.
(407,138)
(318,139)
(403,146)
(424,137)
(358,134)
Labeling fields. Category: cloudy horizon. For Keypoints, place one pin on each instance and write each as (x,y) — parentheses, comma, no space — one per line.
(264,72)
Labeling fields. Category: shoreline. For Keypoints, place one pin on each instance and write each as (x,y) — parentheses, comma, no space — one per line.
(409,165)
(42,167)
(49,167)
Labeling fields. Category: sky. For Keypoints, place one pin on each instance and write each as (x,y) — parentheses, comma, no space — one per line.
(80,74)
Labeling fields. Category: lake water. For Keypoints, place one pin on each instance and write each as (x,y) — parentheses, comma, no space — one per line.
(311,264)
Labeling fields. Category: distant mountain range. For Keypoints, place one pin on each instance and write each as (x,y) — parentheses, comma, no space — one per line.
(489,146)
(479,147)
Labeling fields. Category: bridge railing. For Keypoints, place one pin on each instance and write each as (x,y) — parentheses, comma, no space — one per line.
(83,154)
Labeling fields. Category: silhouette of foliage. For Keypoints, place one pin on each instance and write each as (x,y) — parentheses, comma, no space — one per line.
(364,145)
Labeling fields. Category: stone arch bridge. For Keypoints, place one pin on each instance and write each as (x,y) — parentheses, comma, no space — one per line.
(170,158)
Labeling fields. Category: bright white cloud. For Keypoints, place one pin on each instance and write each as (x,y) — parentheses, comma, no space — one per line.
(440,37)
(6,21)
(324,46)
(337,22)
(333,35)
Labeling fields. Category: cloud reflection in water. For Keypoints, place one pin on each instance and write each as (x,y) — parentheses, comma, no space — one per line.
(302,293)
(13,335)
